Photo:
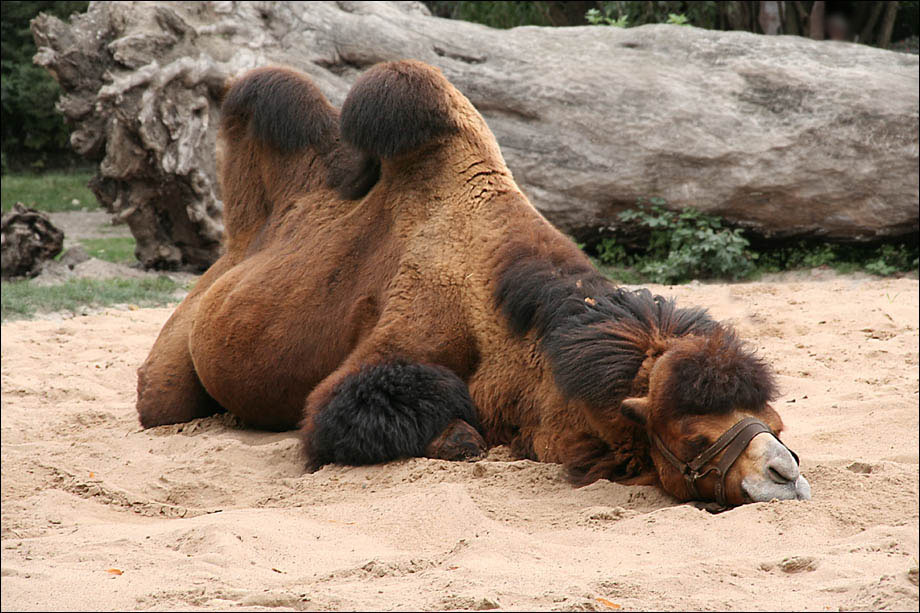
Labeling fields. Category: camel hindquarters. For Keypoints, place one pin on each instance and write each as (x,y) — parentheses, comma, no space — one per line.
(168,389)
(269,331)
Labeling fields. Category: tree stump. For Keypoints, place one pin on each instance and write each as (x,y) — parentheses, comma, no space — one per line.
(27,240)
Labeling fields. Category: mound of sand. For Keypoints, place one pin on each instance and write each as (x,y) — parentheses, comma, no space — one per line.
(99,514)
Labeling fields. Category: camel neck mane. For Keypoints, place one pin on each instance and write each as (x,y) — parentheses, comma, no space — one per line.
(596,335)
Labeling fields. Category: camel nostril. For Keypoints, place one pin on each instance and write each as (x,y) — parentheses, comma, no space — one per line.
(782,472)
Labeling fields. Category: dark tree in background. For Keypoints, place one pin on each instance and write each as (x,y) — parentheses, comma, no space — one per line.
(34,133)
(871,23)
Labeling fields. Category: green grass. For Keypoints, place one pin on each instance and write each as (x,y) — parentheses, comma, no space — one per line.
(52,192)
(117,249)
(23,299)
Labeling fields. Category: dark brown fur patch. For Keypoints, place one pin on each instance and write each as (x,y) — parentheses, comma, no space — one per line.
(536,292)
(353,173)
(717,374)
(596,335)
(397,107)
(282,108)
(591,458)
(387,411)
(597,356)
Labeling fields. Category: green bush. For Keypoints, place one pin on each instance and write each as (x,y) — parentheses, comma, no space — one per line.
(866,23)
(629,14)
(597,18)
(675,247)
(893,258)
(680,246)
(878,259)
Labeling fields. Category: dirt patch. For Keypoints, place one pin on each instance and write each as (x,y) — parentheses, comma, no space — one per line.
(80,225)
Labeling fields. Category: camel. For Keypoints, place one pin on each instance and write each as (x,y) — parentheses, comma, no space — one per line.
(388,289)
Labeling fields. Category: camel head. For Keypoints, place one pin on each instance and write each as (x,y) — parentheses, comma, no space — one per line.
(713,434)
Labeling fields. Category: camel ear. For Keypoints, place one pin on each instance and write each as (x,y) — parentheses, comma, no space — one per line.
(636,409)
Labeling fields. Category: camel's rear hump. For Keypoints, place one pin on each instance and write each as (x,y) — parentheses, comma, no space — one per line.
(397,107)
(406,111)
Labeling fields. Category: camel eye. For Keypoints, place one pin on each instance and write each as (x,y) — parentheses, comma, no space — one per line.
(698,444)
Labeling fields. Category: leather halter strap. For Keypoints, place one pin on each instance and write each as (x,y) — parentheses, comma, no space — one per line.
(733,441)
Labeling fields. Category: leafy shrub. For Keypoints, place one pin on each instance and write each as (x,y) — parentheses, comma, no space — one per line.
(883,260)
(675,247)
(893,258)
(630,14)
(597,18)
(678,20)
(680,246)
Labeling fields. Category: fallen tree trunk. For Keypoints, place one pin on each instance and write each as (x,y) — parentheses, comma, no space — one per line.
(783,135)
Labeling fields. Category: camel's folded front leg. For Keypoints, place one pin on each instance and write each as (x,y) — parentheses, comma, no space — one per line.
(377,408)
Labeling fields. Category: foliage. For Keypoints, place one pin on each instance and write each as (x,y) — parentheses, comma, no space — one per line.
(700,14)
(494,14)
(878,259)
(51,192)
(619,14)
(596,18)
(34,133)
(118,249)
(876,22)
(681,246)
(22,299)
(675,247)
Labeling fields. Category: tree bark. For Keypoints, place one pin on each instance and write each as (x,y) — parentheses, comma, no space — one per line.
(793,21)
(860,16)
(891,11)
(568,13)
(770,17)
(816,21)
(738,15)
(866,35)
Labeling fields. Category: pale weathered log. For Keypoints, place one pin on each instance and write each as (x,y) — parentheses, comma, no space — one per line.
(787,136)
(27,240)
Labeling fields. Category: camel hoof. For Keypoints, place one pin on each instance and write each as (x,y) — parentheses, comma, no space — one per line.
(459,441)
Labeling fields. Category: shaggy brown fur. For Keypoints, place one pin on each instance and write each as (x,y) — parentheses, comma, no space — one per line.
(392,292)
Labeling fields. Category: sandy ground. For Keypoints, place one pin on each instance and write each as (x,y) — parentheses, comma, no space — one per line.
(99,514)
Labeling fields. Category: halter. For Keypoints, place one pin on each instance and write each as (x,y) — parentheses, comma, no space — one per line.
(735,439)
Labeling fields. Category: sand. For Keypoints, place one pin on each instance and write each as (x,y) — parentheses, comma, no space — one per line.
(100,515)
